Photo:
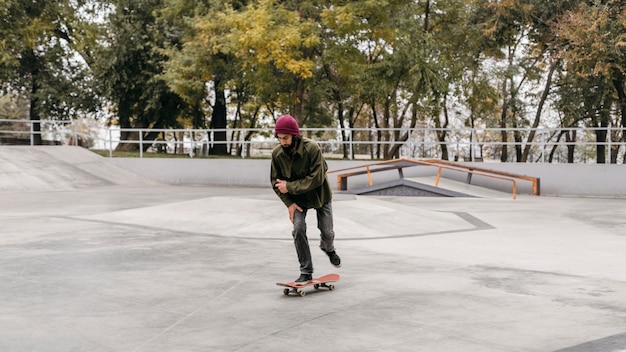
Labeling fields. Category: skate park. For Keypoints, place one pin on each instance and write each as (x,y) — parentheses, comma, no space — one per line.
(108,254)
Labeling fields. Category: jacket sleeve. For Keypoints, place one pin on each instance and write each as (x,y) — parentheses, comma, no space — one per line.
(315,177)
(276,174)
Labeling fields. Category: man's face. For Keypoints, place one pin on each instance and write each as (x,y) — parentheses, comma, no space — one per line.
(286,140)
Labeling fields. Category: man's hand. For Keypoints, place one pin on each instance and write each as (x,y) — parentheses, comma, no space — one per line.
(281,185)
(292,210)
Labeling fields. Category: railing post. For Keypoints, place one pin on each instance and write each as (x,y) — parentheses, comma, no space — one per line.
(438,176)
(190,143)
(140,144)
(342,183)
(472,141)
(242,139)
(514,189)
(110,143)
(424,141)
(609,144)
(75,133)
(542,134)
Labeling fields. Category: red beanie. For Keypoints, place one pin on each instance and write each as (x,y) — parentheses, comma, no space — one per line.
(286,124)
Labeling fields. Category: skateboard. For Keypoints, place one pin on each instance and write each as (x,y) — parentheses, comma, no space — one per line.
(322,281)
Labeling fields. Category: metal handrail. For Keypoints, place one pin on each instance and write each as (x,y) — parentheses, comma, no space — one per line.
(535,181)
(342,179)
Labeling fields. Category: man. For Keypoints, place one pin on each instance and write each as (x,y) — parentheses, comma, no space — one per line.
(298,176)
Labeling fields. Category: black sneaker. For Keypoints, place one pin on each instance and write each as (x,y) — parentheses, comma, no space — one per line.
(334,258)
(304,279)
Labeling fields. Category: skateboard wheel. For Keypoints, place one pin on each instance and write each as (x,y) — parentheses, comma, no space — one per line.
(316,286)
(302,293)
(331,287)
(286,291)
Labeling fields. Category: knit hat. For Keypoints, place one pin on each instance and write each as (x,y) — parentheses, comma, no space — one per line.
(286,124)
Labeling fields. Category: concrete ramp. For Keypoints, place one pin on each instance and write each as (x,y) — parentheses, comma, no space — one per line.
(41,168)
(468,190)
(425,187)
(406,187)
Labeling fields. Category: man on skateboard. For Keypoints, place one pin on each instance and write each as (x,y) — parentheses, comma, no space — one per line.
(298,176)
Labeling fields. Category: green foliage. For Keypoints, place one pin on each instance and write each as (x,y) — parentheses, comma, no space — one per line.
(41,58)
(129,66)
(370,63)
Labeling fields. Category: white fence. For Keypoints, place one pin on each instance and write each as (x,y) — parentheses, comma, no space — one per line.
(463,144)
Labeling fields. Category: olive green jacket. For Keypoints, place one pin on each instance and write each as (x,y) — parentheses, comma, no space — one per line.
(305,173)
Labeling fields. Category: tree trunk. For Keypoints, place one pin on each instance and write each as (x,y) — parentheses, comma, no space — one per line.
(602,132)
(542,101)
(441,134)
(342,125)
(386,133)
(618,82)
(401,139)
(378,131)
(218,121)
(517,136)
(571,147)
(35,117)
(152,135)
(124,113)
(504,156)
(352,116)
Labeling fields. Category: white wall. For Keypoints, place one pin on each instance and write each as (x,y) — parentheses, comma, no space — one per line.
(556,179)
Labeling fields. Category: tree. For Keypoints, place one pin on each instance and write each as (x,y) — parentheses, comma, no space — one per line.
(269,38)
(40,57)
(382,61)
(128,68)
(453,59)
(596,52)
(197,76)
(258,53)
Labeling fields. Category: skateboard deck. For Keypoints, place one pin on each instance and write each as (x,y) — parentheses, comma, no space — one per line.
(317,283)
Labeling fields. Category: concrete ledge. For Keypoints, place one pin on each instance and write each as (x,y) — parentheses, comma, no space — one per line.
(221,172)
(586,180)
(65,167)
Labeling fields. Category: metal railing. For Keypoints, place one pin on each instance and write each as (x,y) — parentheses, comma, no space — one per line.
(462,144)
(15,131)
(399,164)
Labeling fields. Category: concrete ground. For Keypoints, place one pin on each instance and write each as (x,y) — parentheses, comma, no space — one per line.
(137,266)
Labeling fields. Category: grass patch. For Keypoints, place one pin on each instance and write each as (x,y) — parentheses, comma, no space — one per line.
(135,154)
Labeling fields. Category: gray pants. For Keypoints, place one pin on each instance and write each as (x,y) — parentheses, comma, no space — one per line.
(324,224)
